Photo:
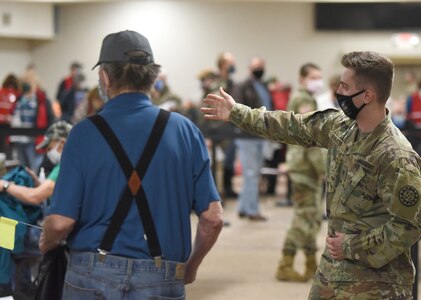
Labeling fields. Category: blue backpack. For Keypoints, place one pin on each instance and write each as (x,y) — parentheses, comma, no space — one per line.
(12,208)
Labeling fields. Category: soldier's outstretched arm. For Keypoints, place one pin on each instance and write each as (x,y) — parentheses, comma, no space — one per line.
(308,130)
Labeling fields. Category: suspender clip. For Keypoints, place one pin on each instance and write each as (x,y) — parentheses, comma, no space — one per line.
(102,254)
(158,261)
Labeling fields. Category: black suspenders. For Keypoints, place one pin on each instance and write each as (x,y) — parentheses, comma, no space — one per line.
(134,188)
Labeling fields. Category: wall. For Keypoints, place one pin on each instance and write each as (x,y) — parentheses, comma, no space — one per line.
(20,24)
(15,54)
(187,36)
(26,20)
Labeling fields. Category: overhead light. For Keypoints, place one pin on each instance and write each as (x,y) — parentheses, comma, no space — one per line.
(405,40)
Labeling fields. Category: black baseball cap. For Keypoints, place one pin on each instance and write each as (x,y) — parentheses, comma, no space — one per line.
(125,46)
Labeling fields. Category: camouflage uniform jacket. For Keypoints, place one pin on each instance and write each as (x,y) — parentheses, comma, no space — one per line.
(305,165)
(168,98)
(373,189)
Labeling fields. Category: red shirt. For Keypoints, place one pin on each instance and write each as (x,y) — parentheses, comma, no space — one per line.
(415,113)
(8,99)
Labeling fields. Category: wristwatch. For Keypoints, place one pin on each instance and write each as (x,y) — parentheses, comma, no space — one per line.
(6,185)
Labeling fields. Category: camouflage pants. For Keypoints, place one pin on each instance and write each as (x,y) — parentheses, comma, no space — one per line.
(306,221)
(359,290)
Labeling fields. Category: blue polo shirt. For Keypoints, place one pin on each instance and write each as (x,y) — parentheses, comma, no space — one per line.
(91,180)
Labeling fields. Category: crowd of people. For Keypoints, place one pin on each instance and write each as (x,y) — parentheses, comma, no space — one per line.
(25,104)
(112,143)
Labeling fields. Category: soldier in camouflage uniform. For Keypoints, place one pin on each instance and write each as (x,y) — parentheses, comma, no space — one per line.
(306,166)
(373,180)
(163,97)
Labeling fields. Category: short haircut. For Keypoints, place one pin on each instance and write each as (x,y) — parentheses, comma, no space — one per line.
(373,68)
(131,76)
(306,68)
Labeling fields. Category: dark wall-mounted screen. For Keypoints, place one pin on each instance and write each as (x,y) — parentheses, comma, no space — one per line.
(368,16)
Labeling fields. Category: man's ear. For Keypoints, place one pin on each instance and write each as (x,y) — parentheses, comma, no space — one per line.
(369,95)
(105,78)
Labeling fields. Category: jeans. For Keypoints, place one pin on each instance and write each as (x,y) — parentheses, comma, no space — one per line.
(250,152)
(28,156)
(122,278)
(229,156)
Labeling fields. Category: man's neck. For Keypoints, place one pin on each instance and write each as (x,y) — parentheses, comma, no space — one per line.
(370,117)
(304,89)
(114,94)
(223,74)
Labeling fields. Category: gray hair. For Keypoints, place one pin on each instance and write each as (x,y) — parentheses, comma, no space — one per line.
(131,76)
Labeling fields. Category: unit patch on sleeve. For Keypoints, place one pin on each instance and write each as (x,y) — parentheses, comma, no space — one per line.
(408,196)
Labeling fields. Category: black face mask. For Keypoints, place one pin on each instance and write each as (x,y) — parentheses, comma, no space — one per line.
(231,69)
(26,87)
(348,107)
(258,73)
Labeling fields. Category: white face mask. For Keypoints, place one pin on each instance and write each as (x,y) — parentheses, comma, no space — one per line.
(53,155)
(102,93)
(314,86)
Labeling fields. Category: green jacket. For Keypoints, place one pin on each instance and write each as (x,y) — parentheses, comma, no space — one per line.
(218,131)
(305,165)
(167,97)
(373,189)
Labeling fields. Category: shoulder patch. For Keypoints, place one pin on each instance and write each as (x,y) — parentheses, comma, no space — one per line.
(408,195)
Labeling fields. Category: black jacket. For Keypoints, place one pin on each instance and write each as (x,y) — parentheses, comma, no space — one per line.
(246,94)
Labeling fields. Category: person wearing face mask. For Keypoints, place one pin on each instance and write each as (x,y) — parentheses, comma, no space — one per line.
(221,78)
(226,68)
(130,178)
(306,167)
(400,119)
(327,99)
(373,191)
(66,85)
(398,113)
(254,93)
(54,140)
(33,110)
(163,97)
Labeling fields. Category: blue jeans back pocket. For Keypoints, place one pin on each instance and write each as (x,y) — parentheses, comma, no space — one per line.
(74,292)
(165,298)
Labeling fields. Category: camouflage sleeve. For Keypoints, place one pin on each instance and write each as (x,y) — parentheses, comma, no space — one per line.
(302,102)
(308,130)
(318,159)
(400,189)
